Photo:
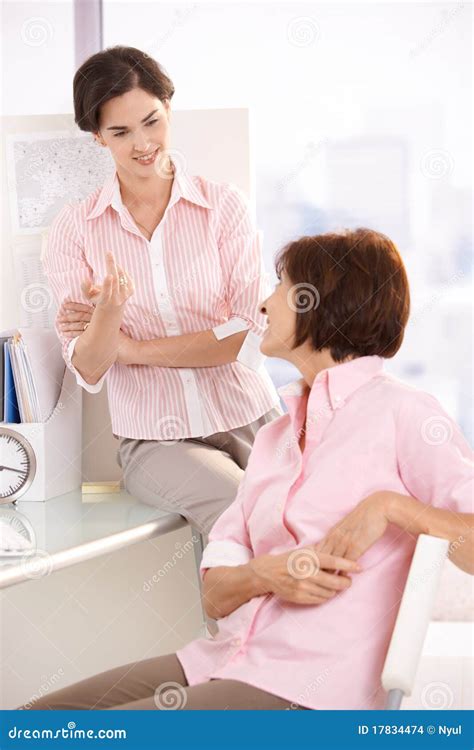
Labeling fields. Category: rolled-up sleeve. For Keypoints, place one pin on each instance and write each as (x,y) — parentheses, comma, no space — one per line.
(435,460)
(65,266)
(229,542)
(247,284)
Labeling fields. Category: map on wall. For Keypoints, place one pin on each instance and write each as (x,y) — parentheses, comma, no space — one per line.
(47,170)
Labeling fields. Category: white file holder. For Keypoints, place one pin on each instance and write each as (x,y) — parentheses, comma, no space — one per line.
(56,445)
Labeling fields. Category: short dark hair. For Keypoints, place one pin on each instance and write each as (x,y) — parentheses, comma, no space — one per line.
(351,292)
(111,73)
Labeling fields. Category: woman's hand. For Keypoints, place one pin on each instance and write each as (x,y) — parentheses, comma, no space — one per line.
(111,295)
(127,352)
(360,529)
(301,576)
(74,317)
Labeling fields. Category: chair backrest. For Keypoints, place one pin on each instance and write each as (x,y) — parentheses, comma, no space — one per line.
(413,618)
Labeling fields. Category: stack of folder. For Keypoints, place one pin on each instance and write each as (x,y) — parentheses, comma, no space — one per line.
(31,374)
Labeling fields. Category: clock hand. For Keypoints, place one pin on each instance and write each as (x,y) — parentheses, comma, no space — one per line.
(10,468)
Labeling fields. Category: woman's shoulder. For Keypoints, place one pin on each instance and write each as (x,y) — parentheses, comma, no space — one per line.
(218,193)
(77,211)
(402,396)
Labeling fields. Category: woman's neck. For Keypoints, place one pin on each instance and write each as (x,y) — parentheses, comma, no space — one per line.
(153,191)
(311,363)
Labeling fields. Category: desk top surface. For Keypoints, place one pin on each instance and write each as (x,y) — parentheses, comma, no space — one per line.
(74,527)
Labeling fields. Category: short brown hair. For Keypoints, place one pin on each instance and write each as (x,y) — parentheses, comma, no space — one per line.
(357,288)
(111,73)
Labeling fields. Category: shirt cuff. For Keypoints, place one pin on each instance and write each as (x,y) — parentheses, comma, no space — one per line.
(225,553)
(96,387)
(249,353)
(234,325)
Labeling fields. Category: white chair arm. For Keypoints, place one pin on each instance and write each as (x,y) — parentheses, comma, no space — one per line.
(413,617)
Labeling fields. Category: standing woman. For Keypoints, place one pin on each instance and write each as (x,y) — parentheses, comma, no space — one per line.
(159,275)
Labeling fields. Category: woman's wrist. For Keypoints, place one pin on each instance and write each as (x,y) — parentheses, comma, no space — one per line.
(406,512)
(108,316)
(148,352)
(258,580)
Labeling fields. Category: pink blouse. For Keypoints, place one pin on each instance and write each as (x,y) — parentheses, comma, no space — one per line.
(365,431)
(202,269)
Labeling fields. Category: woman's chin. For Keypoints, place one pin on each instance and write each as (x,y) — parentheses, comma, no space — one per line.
(266,346)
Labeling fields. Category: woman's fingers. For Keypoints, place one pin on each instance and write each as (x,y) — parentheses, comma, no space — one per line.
(107,289)
(74,326)
(129,287)
(111,268)
(333,581)
(74,316)
(333,562)
(75,306)
(339,548)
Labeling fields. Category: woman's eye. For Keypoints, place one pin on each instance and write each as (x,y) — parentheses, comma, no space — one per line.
(151,122)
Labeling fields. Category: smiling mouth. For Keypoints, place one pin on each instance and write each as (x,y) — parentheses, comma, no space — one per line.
(142,157)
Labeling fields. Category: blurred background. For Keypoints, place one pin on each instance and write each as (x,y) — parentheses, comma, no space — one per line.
(361,116)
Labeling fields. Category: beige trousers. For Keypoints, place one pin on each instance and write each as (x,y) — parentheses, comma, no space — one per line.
(195,477)
(157,684)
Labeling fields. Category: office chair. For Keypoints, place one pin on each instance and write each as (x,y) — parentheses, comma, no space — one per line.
(406,643)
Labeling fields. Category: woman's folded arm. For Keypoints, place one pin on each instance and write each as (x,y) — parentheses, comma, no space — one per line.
(226,587)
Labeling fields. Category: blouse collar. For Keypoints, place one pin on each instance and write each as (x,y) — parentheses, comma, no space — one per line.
(183,187)
(340,381)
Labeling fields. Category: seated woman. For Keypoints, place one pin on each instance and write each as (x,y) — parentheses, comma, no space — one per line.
(305,569)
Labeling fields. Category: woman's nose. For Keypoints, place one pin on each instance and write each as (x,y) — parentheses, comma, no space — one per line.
(141,145)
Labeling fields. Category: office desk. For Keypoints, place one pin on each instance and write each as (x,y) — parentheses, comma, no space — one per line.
(75,527)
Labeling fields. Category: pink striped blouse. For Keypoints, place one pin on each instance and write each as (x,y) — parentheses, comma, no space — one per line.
(201,270)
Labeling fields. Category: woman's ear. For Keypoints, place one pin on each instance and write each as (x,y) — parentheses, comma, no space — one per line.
(98,139)
(167,106)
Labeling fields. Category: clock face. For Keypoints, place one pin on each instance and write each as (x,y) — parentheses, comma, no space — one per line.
(17,465)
